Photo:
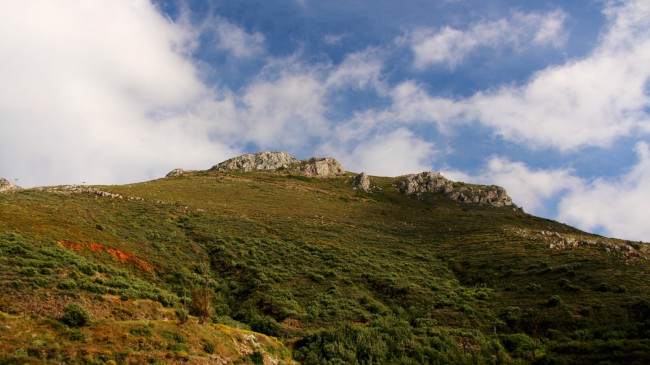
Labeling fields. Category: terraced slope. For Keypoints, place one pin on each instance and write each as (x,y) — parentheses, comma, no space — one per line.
(335,275)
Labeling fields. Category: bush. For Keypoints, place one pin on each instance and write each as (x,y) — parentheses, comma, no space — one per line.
(141,331)
(208,348)
(554,301)
(182,316)
(75,316)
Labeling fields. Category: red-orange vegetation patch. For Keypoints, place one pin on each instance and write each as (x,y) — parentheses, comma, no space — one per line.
(74,246)
(117,254)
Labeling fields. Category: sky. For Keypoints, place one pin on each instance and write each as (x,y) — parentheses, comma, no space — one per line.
(550,99)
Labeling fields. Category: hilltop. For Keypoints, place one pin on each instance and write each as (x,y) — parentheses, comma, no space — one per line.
(309,264)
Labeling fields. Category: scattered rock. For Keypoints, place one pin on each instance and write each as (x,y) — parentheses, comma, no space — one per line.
(78,189)
(258,161)
(176,172)
(361,182)
(6,185)
(435,182)
(557,241)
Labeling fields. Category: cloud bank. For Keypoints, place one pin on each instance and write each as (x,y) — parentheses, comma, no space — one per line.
(86,90)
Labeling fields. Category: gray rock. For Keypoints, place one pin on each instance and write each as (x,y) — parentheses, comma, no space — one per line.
(274,161)
(320,167)
(6,185)
(434,182)
(176,172)
(361,182)
(258,161)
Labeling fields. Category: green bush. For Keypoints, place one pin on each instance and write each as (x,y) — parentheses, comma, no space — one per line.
(182,316)
(141,331)
(75,316)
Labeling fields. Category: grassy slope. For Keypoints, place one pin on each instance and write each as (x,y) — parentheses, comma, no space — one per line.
(338,274)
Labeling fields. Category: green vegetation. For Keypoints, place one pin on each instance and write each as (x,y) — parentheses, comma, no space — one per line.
(75,316)
(337,275)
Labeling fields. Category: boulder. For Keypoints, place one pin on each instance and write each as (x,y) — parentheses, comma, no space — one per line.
(176,172)
(6,185)
(320,167)
(361,182)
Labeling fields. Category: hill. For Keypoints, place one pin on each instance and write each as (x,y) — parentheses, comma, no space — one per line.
(303,268)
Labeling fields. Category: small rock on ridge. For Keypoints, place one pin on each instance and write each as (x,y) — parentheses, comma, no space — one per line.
(6,185)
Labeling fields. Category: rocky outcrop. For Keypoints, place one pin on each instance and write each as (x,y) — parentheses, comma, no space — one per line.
(434,182)
(258,161)
(176,172)
(361,182)
(320,167)
(6,185)
(282,161)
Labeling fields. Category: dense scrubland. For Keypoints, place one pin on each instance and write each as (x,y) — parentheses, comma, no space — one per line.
(265,267)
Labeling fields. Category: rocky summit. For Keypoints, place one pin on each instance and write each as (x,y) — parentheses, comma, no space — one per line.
(435,182)
(274,161)
(258,161)
(6,185)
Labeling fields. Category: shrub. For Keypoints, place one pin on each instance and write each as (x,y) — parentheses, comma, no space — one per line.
(554,301)
(257,358)
(141,331)
(75,316)
(76,336)
(182,316)
(208,348)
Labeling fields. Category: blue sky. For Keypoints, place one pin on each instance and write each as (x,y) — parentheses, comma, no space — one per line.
(550,99)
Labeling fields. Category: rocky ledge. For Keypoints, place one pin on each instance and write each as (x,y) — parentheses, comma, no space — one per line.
(434,182)
(6,185)
(282,161)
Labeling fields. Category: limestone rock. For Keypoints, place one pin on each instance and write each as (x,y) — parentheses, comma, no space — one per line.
(361,182)
(6,185)
(258,161)
(274,161)
(176,172)
(434,182)
(320,167)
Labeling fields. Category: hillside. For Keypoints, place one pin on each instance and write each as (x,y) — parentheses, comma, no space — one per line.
(306,268)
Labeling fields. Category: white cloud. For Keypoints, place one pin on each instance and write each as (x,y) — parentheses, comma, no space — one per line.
(392,153)
(334,39)
(618,206)
(235,39)
(450,46)
(286,111)
(358,70)
(584,102)
(81,81)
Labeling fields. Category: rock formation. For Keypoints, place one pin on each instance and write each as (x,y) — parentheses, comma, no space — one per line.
(361,182)
(175,172)
(273,161)
(322,167)
(433,182)
(258,161)
(6,185)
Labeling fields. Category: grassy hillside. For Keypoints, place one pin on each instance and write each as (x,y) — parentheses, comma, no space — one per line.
(312,270)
